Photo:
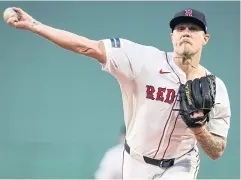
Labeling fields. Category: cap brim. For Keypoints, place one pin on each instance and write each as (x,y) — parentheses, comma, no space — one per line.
(187,19)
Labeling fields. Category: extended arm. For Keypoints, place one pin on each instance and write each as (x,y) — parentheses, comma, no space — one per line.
(64,39)
(120,57)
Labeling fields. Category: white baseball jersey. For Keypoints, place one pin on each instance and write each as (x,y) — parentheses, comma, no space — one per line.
(149,81)
(111,164)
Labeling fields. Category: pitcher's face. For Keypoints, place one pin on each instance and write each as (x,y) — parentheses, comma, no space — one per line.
(188,39)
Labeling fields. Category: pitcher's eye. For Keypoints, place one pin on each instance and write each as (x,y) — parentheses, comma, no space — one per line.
(193,28)
(180,28)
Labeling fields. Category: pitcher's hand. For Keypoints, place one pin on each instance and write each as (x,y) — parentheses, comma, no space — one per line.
(22,21)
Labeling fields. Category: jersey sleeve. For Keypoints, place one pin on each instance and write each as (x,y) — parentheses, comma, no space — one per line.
(124,57)
(219,122)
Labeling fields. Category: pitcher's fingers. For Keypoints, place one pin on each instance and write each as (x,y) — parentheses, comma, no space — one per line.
(18,10)
(12,20)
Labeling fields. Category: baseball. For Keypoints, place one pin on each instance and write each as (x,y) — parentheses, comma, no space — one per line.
(9,12)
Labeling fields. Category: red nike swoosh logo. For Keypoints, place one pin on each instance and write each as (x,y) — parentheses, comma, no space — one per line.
(163,72)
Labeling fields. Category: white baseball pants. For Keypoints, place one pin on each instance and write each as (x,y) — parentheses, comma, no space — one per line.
(186,167)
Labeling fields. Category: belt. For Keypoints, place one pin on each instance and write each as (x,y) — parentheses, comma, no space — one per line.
(165,163)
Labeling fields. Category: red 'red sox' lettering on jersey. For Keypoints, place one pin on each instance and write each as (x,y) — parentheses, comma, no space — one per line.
(160,94)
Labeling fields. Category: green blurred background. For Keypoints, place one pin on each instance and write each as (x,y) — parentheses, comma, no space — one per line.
(59,112)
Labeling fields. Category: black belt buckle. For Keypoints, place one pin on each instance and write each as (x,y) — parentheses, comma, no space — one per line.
(166,163)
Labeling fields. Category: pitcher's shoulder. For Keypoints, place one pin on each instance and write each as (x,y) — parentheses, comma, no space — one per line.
(159,53)
(221,85)
(219,81)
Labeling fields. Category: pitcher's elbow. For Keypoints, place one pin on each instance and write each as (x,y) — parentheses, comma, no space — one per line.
(217,155)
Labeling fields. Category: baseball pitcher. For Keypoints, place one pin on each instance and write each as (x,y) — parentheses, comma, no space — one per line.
(171,102)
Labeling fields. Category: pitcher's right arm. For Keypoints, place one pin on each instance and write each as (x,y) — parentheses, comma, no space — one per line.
(117,55)
(62,38)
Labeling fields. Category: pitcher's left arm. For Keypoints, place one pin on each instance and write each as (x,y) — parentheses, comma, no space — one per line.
(212,137)
(213,145)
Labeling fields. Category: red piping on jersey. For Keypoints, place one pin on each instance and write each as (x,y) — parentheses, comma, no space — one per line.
(171,109)
(165,127)
(170,137)
(198,163)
